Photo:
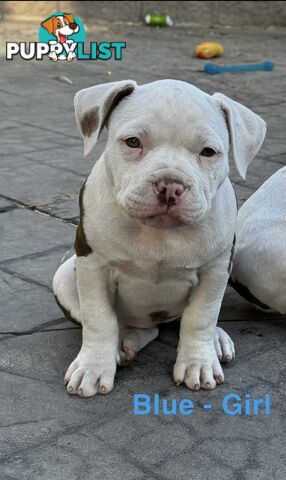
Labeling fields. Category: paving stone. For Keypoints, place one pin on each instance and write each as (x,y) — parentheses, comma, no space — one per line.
(62,458)
(266,168)
(32,138)
(41,268)
(41,186)
(24,305)
(31,426)
(242,192)
(24,232)
(6,205)
(147,436)
(70,159)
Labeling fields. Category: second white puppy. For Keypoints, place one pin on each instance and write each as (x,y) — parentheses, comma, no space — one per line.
(259,266)
(157,220)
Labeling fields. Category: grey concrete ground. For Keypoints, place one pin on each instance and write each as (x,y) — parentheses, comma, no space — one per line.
(207,13)
(45,434)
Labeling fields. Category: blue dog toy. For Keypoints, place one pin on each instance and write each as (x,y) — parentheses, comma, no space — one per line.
(212,69)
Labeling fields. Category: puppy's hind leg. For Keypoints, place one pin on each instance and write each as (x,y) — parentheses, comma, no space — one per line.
(65,290)
(134,339)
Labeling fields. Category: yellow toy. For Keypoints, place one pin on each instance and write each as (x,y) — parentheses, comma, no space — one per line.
(209,50)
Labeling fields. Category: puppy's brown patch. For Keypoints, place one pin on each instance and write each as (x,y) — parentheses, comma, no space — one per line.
(245,293)
(229,268)
(112,101)
(159,317)
(90,121)
(66,313)
(82,249)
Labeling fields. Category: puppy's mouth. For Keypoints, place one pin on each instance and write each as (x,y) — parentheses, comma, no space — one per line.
(165,219)
(62,38)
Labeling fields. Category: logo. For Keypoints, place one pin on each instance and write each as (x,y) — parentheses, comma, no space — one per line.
(62,31)
(62,37)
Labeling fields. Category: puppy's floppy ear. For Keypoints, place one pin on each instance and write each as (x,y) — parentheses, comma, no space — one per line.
(246,130)
(69,17)
(49,24)
(94,105)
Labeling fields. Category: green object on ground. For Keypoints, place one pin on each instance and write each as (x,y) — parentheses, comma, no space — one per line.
(159,20)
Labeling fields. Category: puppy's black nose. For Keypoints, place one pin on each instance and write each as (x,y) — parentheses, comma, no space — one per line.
(169,190)
(73,26)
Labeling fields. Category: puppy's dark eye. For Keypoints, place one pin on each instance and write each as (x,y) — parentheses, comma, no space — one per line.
(133,142)
(208,152)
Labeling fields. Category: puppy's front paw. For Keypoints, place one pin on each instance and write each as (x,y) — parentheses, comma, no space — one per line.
(224,346)
(198,367)
(91,373)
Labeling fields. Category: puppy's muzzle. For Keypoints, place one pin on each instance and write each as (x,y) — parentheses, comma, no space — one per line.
(169,191)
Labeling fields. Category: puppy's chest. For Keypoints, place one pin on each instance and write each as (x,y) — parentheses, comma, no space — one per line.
(145,290)
(151,272)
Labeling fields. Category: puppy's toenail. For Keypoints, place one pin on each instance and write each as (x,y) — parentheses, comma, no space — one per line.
(70,389)
(103,389)
(208,385)
(178,384)
(196,387)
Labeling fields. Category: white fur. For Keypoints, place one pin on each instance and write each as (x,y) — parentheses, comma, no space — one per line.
(145,259)
(260,259)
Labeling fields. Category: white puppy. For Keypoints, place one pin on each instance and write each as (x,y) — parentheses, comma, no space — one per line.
(259,268)
(157,221)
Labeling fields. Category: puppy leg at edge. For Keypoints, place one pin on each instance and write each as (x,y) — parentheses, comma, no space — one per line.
(65,290)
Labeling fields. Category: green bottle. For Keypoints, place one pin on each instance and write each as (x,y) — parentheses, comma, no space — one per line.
(159,20)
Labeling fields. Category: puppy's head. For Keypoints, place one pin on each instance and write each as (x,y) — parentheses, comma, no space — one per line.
(168,144)
(61,26)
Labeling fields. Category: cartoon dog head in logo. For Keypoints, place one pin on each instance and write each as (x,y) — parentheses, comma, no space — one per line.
(61,26)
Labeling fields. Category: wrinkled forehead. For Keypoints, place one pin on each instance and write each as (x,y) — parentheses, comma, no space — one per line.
(170,109)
